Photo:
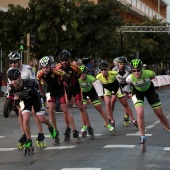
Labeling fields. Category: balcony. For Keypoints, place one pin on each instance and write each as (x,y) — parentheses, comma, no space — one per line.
(142,9)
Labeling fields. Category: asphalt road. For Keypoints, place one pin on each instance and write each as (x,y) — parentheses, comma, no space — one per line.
(106,152)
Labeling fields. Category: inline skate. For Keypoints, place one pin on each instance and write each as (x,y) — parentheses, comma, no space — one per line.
(126,121)
(67,134)
(84,132)
(76,136)
(91,132)
(111,128)
(40,142)
(54,134)
(143,143)
(21,142)
(28,148)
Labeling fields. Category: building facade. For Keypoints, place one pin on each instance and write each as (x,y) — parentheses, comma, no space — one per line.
(137,8)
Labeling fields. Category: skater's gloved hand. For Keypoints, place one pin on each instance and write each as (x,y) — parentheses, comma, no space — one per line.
(9,88)
(16,97)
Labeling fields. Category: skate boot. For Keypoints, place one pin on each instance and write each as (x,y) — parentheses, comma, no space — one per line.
(67,134)
(135,123)
(28,148)
(105,125)
(143,143)
(40,142)
(54,134)
(21,142)
(126,121)
(76,136)
(84,132)
(56,138)
(111,128)
(91,132)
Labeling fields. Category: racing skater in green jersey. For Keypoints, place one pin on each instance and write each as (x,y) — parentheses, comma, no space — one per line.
(86,83)
(142,86)
(111,87)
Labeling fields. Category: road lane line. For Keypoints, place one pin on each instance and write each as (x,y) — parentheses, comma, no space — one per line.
(48,136)
(60,147)
(7,149)
(137,134)
(2,136)
(119,146)
(81,169)
(167,149)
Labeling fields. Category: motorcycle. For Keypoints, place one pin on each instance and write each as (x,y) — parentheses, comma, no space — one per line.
(9,106)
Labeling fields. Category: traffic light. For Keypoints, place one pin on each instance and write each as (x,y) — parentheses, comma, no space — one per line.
(21,47)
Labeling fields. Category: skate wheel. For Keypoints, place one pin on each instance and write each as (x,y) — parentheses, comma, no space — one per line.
(31,150)
(57,141)
(41,144)
(114,133)
(26,151)
(126,124)
(67,138)
(20,146)
(143,147)
(78,140)
(84,134)
(92,137)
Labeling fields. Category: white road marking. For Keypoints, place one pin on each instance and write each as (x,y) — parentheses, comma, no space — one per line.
(137,134)
(167,149)
(81,169)
(119,146)
(7,149)
(48,148)
(48,136)
(2,136)
(60,147)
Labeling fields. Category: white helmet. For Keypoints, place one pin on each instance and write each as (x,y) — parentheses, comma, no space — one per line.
(14,55)
(45,61)
(115,61)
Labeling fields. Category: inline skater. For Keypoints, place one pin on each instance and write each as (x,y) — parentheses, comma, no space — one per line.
(72,87)
(26,73)
(26,95)
(123,71)
(86,83)
(55,89)
(110,84)
(143,87)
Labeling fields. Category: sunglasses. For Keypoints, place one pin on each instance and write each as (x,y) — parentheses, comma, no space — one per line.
(13,62)
(103,69)
(136,70)
(13,78)
(62,60)
(122,64)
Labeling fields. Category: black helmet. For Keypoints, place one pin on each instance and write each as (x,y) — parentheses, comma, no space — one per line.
(14,55)
(13,73)
(103,65)
(64,55)
(136,63)
(122,59)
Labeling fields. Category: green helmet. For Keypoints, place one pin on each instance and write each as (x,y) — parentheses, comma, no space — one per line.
(136,63)
(83,69)
(45,61)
